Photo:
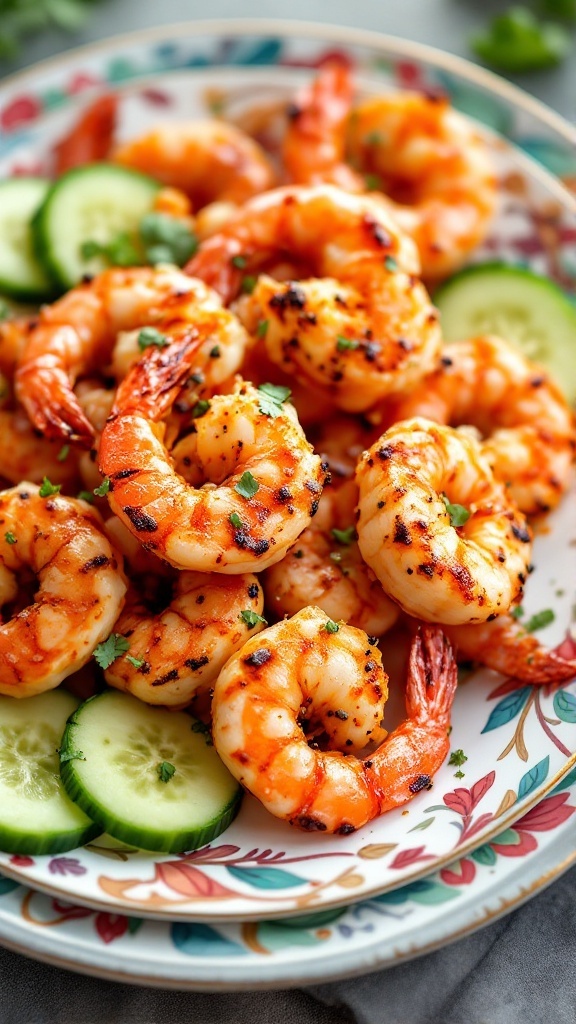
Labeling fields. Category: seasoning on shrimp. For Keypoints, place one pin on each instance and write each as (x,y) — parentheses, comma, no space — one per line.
(364,327)
(178,651)
(75,336)
(80,594)
(434,569)
(298,671)
(527,425)
(240,461)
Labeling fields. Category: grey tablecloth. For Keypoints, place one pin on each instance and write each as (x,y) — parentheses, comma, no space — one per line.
(517,971)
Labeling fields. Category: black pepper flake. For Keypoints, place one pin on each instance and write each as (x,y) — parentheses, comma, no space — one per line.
(95,563)
(521,533)
(420,782)
(369,666)
(312,486)
(196,663)
(200,599)
(253,590)
(293,297)
(372,640)
(314,508)
(342,715)
(259,657)
(385,452)
(283,494)
(123,474)
(402,533)
(243,540)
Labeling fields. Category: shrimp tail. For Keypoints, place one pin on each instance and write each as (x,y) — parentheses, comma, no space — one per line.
(62,420)
(152,384)
(91,137)
(432,676)
(504,646)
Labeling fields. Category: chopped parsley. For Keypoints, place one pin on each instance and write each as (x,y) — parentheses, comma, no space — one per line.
(517,41)
(165,771)
(149,336)
(239,262)
(373,182)
(47,489)
(262,328)
(346,344)
(459,774)
(252,619)
(331,627)
(517,612)
(247,486)
(271,398)
(167,239)
(344,536)
(86,496)
(457,758)
(249,283)
(10,538)
(390,263)
(215,352)
(458,514)
(63,453)
(136,662)
(107,651)
(201,408)
(102,488)
(538,621)
(237,523)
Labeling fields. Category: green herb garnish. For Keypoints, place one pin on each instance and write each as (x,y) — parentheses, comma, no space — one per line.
(234,518)
(345,344)
(344,536)
(136,662)
(262,328)
(247,486)
(252,619)
(331,627)
(538,621)
(107,652)
(165,771)
(201,408)
(458,514)
(149,336)
(271,398)
(517,41)
(457,758)
(63,453)
(102,488)
(10,538)
(47,489)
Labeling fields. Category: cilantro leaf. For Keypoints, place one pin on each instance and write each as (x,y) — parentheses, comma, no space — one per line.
(201,408)
(346,344)
(150,336)
(252,619)
(102,488)
(239,262)
(271,398)
(458,514)
(234,518)
(262,328)
(457,758)
(63,453)
(344,536)
(107,651)
(390,263)
(165,771)
(47,489)
(247,486)
(86,496)
(167,239)
(136,662)
(538,621)
(517,612)
(331,627)
(249,283)
(517,41)
(10,538)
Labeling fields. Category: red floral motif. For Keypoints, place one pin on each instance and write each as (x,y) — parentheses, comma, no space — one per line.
(553,811)
(82,81)
(70,912)
(22,862)
(461,873)
(463,801)
(111,926)
(22,110)
(407,857)
(188,881)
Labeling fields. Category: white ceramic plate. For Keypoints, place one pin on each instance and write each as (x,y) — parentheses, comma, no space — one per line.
(518,743)
(448,905)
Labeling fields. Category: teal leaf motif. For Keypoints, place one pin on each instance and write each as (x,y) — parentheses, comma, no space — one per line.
(533,778)
(266,878)
(134,925)
(567,781)
(7,885)
(422,825)
(202,940)
(508,708)
(277,935)
(425,891)
(510,837)
(565,706)
(484,855)
(317,920)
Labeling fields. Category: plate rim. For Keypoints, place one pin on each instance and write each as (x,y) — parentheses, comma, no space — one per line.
(494,84)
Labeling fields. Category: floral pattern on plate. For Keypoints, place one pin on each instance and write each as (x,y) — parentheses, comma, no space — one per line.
(262,868)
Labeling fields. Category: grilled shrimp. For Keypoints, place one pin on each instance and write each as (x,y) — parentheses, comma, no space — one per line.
(24,455)
(364,327)
(435,166)
(76,335)
(505,646)
(90,138)
(80,594)
(313,148)
(298,671)
(440,532)
(529,437)
(208,160)
(325,567)
(255,479)
(179,651)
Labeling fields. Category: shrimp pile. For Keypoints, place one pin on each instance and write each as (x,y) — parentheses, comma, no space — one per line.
(286,459)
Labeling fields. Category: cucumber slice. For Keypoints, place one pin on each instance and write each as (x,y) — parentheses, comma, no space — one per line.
(21,274)
(96,203)
(36,815)
(124,745)
(520,306)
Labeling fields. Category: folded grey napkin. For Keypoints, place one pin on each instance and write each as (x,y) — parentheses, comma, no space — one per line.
(519,970)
